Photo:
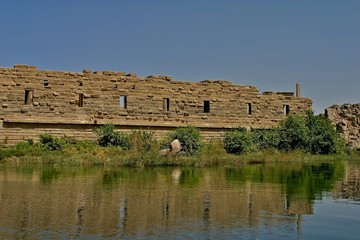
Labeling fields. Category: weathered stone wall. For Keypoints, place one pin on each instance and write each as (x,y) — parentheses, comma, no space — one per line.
(35,101)
(346,118)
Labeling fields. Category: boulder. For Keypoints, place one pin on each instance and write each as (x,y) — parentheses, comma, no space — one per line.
(175,146)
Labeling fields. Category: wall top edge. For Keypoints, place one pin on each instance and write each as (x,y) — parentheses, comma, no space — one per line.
(89,73)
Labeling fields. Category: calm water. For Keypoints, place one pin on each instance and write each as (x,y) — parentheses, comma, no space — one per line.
(287,201)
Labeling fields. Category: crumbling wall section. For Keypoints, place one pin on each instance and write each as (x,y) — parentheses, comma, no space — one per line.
(346,118)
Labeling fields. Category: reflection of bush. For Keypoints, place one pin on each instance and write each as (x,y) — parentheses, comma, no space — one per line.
(301,180)
(190,177)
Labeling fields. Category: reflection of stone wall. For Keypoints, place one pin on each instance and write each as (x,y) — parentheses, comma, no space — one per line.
(33,101)
(27,206)
(346,118)
(84,206)
(349,187)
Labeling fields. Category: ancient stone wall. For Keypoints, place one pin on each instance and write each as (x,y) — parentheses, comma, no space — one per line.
(346,118)
(35,101)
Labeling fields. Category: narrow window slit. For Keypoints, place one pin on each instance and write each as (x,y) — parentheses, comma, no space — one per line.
(286,109)
(81,100)
(206,106)
(29,95)
(166,104)
(249,108)
(123,102)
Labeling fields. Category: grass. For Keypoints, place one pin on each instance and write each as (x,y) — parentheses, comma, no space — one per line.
(211,154)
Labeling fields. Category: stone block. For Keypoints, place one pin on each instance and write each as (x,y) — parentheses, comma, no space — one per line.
(131,75)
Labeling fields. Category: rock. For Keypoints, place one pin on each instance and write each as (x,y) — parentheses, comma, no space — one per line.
(164,152)
(181,154)
(175,146)
(346,120)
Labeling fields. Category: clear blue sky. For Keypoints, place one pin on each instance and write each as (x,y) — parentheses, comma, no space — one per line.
(269,44)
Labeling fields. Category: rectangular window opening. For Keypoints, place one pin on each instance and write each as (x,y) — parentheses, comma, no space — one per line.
(123,102)
(29,95)
(248,108)
(81,100)
(166,104)
(206,106)
(286,109)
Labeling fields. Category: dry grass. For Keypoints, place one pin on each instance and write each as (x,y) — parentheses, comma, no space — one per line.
(211,154)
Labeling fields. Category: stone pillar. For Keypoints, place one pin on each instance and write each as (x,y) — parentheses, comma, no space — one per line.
(298,90)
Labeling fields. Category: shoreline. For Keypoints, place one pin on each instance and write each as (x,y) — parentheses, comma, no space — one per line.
(116,157)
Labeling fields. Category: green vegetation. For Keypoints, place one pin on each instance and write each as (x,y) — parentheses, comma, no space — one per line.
(310,134)
(189,137)
(107,136)
(238,141)
(296,139)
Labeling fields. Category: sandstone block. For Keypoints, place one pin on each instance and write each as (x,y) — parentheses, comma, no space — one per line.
(175,146)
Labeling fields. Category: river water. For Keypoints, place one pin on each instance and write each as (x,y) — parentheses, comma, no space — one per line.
(317,200)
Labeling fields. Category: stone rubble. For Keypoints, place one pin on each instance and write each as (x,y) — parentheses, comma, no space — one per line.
(346,119)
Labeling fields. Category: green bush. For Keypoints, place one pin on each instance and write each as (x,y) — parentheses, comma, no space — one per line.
(310,133)
(323,138)
(108,136)
(294,134)
(51,143)
(20,149)
(189,138)
(266,138)
(238,141)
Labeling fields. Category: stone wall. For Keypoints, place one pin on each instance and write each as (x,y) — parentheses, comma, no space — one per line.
(35,101)
(346,118)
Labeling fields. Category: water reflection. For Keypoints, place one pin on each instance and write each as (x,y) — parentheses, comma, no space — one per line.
(98,203)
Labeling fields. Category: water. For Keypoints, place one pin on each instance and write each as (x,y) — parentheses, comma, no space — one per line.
(271,201)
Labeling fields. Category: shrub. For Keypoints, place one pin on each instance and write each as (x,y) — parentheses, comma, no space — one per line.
(20,149)
(310,133)
(189,138)
(323,138)
(49,142)
(107,136)
(294,134)
(238,141)
(266,138)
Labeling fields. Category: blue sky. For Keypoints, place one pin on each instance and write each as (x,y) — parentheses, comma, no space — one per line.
(271,44)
